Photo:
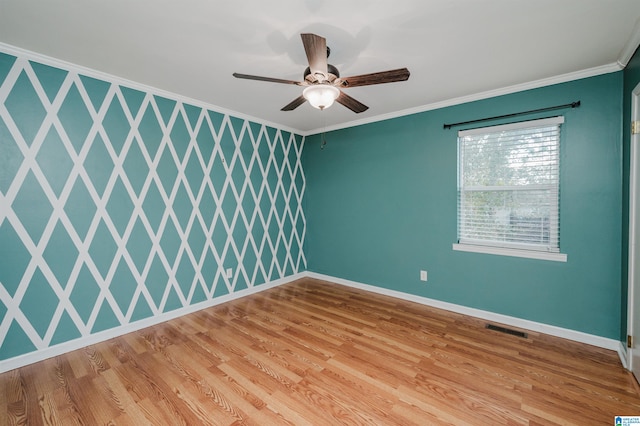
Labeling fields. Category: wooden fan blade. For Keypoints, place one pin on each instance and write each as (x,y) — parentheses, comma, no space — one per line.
(294,104)
(269,79)
(316,49)
(401,74)
(351,103)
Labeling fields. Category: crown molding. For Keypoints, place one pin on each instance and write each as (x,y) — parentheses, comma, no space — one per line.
(89,72)
(563,78)
(624,57)
(630,46)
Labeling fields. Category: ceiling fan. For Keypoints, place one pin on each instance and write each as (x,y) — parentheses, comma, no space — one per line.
(322,80)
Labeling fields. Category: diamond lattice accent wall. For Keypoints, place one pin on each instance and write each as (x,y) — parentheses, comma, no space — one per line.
(117,204)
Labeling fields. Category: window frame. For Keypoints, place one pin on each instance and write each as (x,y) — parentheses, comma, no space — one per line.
(512,248)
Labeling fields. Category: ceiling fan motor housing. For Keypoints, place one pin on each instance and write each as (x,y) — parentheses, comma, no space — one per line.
(331,70)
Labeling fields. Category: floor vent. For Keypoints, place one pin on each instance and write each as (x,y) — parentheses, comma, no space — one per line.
(506,330)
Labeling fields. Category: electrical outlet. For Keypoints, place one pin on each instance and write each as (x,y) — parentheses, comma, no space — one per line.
(229,272)
(423,275)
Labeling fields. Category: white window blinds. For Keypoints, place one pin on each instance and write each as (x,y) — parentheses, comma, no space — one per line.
(508,185)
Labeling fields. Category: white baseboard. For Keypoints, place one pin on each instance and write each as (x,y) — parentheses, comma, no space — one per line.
(552,330)
(62,348)
(32,357)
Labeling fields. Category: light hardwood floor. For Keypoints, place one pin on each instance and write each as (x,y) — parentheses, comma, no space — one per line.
(316,353)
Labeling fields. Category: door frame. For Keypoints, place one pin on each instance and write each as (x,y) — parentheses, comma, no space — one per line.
(634,209)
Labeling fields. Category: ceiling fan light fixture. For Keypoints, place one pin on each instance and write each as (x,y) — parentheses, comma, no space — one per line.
(321,96)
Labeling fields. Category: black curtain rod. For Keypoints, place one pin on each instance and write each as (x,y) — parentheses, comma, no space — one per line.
(515,114)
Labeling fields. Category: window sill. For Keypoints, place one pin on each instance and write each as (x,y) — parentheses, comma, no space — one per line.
(501,251)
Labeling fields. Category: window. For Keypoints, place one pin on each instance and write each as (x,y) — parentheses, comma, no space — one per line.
(508,189)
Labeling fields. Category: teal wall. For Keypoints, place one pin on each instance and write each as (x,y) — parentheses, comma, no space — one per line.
(631,80)
(118,204)
(381,205)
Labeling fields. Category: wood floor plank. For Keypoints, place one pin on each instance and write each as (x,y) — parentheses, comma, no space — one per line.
(317,353)
(160,412)
(367,403)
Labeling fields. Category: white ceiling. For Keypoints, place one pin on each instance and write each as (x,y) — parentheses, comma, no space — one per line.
(455,49)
